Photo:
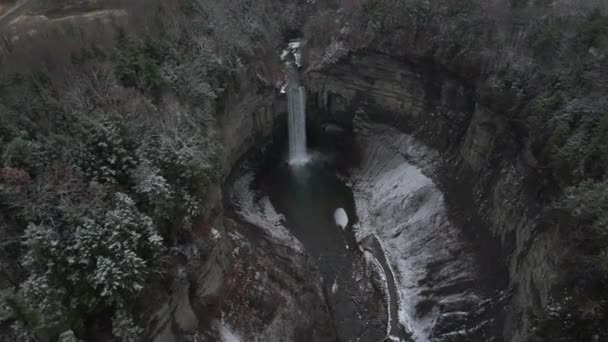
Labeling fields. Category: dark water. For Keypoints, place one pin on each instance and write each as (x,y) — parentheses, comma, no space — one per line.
(308,195)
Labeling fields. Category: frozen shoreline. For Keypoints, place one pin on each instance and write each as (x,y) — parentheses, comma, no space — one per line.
(260,212)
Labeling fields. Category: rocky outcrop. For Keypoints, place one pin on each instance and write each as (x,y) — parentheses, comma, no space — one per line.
(483,153)
(436,107)
(443,294)
(250,286)
(273,292)
(248,120)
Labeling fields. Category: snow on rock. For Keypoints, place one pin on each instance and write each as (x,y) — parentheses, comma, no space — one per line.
(215,234)
(403,207)
(260,212)
(226,333)
(295,47)
(341,218)
(335,287)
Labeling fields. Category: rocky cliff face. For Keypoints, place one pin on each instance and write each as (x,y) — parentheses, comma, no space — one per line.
(483,152)
(248,120)
(251,286)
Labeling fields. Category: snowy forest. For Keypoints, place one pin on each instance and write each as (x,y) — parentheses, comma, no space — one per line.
(113,154)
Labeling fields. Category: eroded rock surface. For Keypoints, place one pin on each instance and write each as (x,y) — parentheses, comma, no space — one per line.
(495,173)
(442,296)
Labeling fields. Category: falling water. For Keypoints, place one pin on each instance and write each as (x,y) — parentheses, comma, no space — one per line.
(296,100)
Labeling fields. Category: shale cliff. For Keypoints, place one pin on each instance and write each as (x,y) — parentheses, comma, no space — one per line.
(482,150)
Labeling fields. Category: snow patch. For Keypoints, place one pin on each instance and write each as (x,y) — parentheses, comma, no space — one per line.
(260,212)
(335,287)
(215,234)
(407,213)
(379,271)
(226,333)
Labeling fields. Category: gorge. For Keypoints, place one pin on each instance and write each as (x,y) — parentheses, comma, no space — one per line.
(180,175)
(437,288)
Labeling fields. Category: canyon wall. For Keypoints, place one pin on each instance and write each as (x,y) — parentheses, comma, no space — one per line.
(251,286)
(483,153)
(248,119)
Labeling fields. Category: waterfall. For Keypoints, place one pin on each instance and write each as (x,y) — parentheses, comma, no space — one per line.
(296,102)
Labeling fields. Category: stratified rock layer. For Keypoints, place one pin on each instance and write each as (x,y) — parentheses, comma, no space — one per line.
(482,151)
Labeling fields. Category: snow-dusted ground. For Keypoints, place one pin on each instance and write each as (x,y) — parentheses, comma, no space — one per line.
(259,211)
(273,294)
(407,213)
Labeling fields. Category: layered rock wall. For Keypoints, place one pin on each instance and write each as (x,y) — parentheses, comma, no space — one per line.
(481,147)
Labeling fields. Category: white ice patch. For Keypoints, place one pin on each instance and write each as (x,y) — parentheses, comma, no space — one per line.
(261,213)
(226,333)
(296,49)
(284,54)
(341,218)
(215,235)
(379,270)
(296,44)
